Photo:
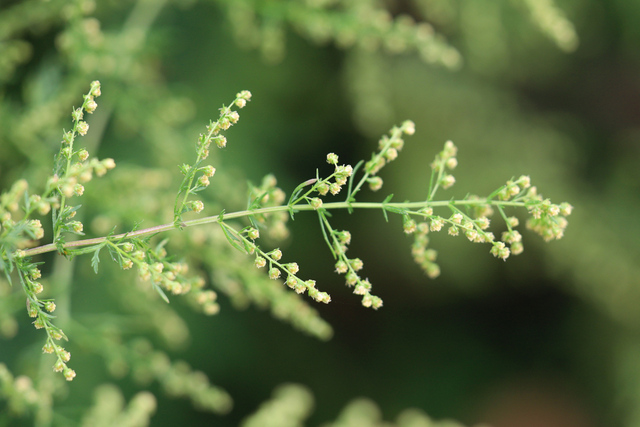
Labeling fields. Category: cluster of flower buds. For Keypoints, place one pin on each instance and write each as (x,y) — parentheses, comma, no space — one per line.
(169,276)
(265,195)
(70,185)
(89,105)
(388,148)
(190,185)
(547,219)
(423,256)
(276,269)
(228,117)
(176,378)
(445,161)
(334,183)
(40,310)
(350,267)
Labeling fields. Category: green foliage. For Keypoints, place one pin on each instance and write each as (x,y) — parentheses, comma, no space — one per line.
(202,238)
(135,249)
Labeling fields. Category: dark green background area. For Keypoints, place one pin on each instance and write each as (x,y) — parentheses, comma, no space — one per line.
(555,326)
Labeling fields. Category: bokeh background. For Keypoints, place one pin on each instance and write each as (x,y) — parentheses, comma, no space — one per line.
(548,338)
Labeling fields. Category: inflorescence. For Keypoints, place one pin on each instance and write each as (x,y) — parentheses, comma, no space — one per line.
(267,213)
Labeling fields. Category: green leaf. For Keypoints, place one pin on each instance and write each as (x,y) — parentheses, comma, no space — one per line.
(350,195)
(95,259)
(321,216)
(160,292)
(296,192)
(233,241)
(7,267)
(393,209)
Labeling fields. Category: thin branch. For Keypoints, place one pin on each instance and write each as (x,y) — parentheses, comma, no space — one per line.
(214,219)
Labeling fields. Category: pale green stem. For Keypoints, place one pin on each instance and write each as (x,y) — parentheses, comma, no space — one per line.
(284,208)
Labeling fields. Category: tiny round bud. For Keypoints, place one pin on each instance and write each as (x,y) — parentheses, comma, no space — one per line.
(524,181)
(260,262)
(565,209)
(344,236)
(245,94)
(356,264)
(95,88)
(433,270)
(316,203)
(32,309)
(436,224)
(203,181)
(291,281)
(197,206)
(211,309)
(274,273)
(233,117)
(78,189)
(472,234)
(375,183)
(447,181)
(109,163)
(500,250)
(253,233)
(332,159)
(276,254)
(450,150)
(35,272)
(83,155)
(82,128)
(77,226)
(323,188)
(483,222)
(513,221)
(351,278)
(293,267)
(391,154)
(77,114)
(90,106)
(408,127)
(409,225)
(69,374)
(517,248)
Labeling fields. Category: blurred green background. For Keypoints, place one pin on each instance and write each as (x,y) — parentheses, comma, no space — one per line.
(549,338)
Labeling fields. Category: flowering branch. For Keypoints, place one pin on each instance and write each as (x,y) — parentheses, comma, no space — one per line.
(266,210)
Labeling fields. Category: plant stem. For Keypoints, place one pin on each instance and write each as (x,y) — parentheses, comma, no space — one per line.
(240,214)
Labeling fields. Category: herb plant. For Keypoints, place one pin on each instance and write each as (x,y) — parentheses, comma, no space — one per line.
(42,215)
(469,217)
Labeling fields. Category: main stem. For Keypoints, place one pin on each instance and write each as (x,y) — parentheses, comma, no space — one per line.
(240,214)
